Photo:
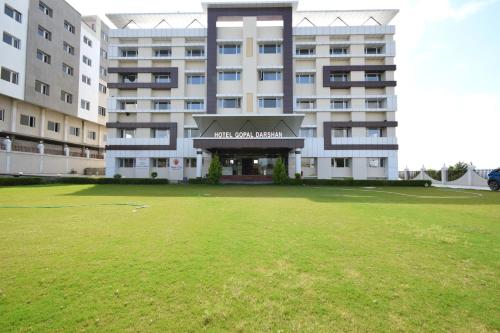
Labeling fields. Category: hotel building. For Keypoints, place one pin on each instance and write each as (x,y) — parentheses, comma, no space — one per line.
(251,82)
(53,90)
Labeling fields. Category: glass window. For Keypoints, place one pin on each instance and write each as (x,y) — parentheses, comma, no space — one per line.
(129,53)
(87,41)
(195,52)
(373,77)
(11,40)
(126,133)
(157,133)
(229,103)
(9,11)
(70,27)
(339,50)
(68,69)
(53,126)
(66,97)
(43,56)
(376,162)
(229,49)
(129,78)
(190,162)
(269,102)
(374,103)
(86,79)
(339,77)
(84,104)
(163,78)
(28,120)
(229,76)
(45,9)
(161,105)
(304,78)
(10,76)
(305,51)
(341,132)
(269,75)
(270,48)
(102,111)
(68,48)
(91,135)
(374,132)
(374,50)
(127,105)
(163,52)
(341,162)
(191,132)
(44,33)
(159,162)
(42,88)
(75,131)
(306,104)
(307,133)
(339,104)
(195,79)
(126,162)
(86,60)
(195,105)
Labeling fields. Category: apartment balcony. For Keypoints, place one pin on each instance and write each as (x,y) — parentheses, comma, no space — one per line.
(137,85)
(139,141)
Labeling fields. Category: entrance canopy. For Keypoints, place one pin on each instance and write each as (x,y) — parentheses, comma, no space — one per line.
(242,131)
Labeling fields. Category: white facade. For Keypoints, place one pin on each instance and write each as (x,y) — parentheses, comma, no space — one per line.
(325,80)
(13,58)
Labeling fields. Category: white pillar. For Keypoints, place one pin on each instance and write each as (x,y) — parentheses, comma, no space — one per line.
(87,153)
(407,174)
(8,144)
(8,148)
(42,122)
(66,153)
(444,174)
(199,162)
(470,172)
(13,120)
(422,173)
(298,162)
(41,148)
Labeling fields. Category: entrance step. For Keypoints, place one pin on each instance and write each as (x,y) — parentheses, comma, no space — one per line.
(250,179)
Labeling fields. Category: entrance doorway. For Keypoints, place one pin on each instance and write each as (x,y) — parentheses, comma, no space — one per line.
(251,163)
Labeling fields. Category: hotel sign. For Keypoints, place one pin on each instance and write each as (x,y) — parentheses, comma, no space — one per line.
(248,135)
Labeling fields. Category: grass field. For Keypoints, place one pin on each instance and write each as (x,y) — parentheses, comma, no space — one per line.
(248,259)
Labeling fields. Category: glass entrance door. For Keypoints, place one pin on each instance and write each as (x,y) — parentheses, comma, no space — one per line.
(240,165)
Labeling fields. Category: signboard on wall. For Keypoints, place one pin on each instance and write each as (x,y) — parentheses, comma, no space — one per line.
(248,135)
(176,163)
(142,162)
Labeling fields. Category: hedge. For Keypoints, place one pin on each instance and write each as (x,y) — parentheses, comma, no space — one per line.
(18,181)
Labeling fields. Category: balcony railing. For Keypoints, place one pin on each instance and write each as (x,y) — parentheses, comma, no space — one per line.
(24,148)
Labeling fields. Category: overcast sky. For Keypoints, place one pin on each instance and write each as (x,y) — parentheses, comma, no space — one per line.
(448,57)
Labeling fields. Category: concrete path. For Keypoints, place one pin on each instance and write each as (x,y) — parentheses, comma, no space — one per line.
(464,187)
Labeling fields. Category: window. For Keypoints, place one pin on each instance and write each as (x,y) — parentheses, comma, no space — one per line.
(341,132)
(191,133)
(190,162)
(304,78)
(159,162)
(2,115)
(307,132)
(43,56)
(129,53)
(338,50)
(270,48)
(70,27)
(11,40)
(102,88)
(229,49)
(374,103)
(305,51)
(163,78)
(306,104)
(128,105)
(42,32)
(45,9)
(157,133)
(87,41)
(374,50)
(339,77)
(377,77)
(195,79)
(9,11)
(53,126)
(229,76)
(75,131)
(269,75)
(28,120)
(85,104)
(68,48)
(163,53)
(126,162)
(87,60)
(68,69)
(126,133)
(101,111)
(269,102)
(10,76)
(42,88)
(341,162)
(375,132)
(161,105)
(129,78)
(376,162)
(195,105)
(104,54)
(195,52)
(86,79)
(103,71)
(91,135)
(229,103)
(338,104)
(66,97)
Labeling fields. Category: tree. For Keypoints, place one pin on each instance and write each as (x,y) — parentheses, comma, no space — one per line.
(215,170)
(457,171)
(279,173)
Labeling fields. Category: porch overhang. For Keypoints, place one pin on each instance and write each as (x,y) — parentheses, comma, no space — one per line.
(243,144)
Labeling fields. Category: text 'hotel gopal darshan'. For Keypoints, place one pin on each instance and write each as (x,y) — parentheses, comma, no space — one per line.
(252,82)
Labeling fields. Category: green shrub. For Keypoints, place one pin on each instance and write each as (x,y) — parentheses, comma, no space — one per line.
(279,173)
(198,181)
(215,170)
(17,181)
(117,176)
(154,175)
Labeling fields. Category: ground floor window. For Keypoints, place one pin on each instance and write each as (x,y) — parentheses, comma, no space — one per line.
(341,162)
(378,162)
(126,162)
(190,162)
(308,163)
(159,162)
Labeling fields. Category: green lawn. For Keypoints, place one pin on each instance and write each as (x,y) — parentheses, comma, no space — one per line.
(248,259)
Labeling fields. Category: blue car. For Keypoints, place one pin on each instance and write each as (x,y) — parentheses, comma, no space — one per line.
(494,180)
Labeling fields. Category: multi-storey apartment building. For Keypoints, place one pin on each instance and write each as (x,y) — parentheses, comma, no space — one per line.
(251,82)
(52,96)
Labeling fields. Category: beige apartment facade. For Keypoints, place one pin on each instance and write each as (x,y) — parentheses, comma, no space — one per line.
(253,82)
(50,96)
